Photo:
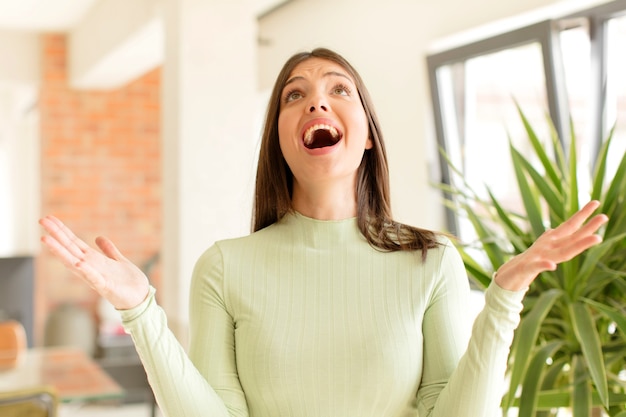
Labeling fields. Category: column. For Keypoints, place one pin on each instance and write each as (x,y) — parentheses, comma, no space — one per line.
(210,136)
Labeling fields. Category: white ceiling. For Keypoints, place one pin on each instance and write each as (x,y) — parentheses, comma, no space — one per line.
(42,15)
(62,15)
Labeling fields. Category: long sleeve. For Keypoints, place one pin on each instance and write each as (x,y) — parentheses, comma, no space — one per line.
(179,388)
(472,385)
(212,332)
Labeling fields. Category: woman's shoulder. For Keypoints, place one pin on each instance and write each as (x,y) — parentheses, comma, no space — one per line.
(441,251)
(262,236)
(444,240)
(222,249)
(447,251)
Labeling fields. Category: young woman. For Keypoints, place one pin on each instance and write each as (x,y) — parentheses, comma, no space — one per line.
(330,307)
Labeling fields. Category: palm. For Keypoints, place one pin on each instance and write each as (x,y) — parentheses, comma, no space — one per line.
(553,247)
(107,271)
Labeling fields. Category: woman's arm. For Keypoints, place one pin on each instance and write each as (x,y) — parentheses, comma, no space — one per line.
(180,389)
(463,375)
(474,387)
(212,332)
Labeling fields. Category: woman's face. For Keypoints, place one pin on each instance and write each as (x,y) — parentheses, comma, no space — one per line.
(322,127)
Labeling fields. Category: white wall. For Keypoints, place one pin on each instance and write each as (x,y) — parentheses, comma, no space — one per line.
(19,171)
(387,41)
(19,57)
(19,185)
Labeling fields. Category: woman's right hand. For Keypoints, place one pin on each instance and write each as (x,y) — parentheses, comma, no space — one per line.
(108,272)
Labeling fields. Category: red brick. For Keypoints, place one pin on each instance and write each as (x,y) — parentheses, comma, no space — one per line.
(100,172)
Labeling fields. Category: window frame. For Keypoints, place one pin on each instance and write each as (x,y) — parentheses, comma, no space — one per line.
(547,34)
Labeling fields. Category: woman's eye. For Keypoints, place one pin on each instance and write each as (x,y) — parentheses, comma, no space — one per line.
(341,90)
(292,95)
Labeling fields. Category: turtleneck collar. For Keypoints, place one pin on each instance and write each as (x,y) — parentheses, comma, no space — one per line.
(321,233)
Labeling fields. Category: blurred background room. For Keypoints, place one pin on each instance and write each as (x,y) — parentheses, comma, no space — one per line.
(140,120)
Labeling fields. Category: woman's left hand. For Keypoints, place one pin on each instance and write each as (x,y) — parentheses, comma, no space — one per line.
(551,248)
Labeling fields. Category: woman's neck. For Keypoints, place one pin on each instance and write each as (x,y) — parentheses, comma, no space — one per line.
(331,201)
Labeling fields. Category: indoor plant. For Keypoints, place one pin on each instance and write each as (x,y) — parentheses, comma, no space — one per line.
(570,347)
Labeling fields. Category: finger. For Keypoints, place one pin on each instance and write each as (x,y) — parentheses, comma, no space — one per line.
(64,236)
(587,232)
(109,249)
(575,222)
(577,248)
(583,239)
(594,224)
(69,234)
(60,251)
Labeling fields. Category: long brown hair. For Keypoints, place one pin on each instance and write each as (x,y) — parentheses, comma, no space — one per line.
(274,179)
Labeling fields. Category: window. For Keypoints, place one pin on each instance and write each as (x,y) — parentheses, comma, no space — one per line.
(479,116)
(559,67)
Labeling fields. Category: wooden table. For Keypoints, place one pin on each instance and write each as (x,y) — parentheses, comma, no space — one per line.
(74,375)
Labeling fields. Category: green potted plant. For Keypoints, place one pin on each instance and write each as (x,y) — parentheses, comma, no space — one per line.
(570,347)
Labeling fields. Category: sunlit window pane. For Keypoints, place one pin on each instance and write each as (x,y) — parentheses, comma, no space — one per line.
(479,120)
(616,90)
(576,54)
(494,82)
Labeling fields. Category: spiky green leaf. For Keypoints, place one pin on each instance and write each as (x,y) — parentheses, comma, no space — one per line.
(533,379)
(529,196)
(526,338)
(581,392)
(539,149)
(612,313)
(587,335)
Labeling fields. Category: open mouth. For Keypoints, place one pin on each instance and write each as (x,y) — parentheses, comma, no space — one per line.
(320,136)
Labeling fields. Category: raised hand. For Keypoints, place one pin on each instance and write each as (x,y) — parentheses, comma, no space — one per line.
(551,248)
(108,272)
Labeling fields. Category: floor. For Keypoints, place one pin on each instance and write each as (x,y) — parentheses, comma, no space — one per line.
(129,410)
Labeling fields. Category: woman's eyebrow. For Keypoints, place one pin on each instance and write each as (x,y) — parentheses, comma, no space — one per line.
(327,74)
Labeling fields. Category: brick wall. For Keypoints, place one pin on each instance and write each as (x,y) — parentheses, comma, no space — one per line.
(100,173)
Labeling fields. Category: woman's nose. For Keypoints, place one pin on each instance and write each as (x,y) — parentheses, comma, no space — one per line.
(318,104)
(320,107)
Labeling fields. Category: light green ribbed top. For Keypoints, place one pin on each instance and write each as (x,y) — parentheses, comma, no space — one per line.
(305,319)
